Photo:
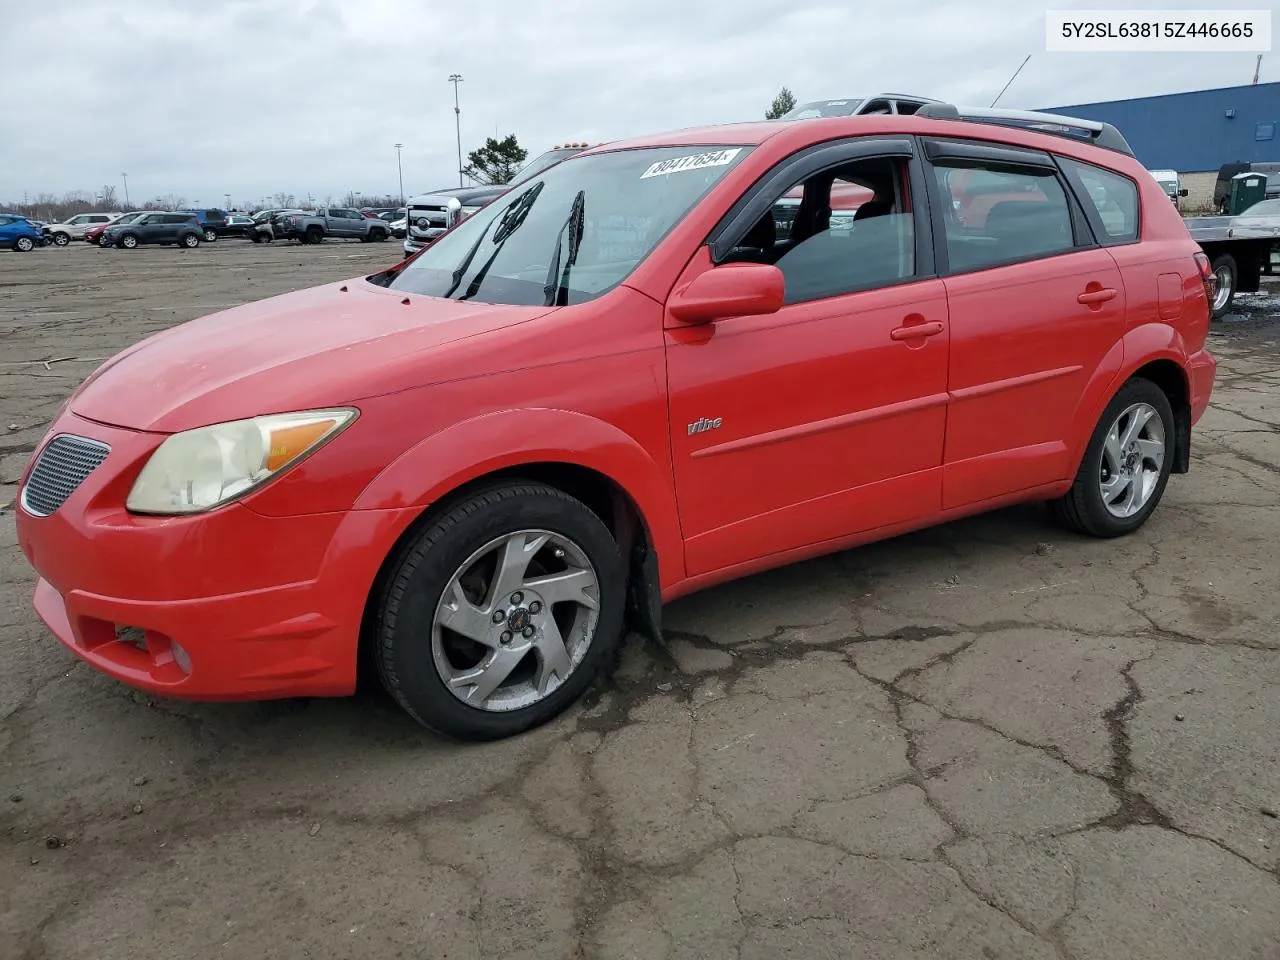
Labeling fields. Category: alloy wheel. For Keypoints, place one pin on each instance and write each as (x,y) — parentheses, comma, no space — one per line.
(1132,460)
(515,620)
(1225,285)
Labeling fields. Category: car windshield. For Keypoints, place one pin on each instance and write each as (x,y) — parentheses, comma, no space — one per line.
(129,217)
(1263,208)
(573,233)
(822,108)
(538,164)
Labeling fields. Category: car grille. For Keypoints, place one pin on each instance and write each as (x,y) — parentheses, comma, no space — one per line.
(427,220)
(61,467)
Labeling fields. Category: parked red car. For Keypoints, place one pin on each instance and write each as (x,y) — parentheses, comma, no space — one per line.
(93,235)
(613,386)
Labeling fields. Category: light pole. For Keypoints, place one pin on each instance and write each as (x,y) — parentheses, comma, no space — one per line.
(124,176)
(228,199)
(400,170)
(455,79)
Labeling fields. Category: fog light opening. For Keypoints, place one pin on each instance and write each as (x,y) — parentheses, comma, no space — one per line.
(180,658)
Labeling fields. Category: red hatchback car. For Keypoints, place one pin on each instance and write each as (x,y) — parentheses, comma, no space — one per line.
(617,385)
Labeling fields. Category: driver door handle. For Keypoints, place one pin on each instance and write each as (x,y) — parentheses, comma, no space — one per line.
(1097,296)
(911,331)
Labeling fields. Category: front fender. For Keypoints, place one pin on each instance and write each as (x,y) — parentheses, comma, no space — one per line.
(465,451)
(1138,347)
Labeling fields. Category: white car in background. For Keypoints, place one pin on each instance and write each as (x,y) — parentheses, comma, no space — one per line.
(74,228)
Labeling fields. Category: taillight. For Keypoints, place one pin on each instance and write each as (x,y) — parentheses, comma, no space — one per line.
(1207,276)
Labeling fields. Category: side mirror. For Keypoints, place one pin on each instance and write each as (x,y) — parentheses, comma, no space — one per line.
(1183,192)
(730,290)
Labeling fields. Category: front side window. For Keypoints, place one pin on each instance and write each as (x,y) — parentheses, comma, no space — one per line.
(1114,197)
(846,229)
(5,221)
(573,233)
(997,216)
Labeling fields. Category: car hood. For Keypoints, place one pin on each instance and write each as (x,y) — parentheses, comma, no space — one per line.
(464,195)
(326,346)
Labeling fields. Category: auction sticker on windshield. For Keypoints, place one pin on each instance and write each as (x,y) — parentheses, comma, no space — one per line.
(717,158)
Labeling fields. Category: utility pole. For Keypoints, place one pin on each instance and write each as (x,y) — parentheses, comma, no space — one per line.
(125,177)
(1256,67)
(400,170)
(455,79)
(228,199)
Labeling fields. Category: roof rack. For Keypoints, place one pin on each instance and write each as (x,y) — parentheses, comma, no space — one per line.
(1099,134)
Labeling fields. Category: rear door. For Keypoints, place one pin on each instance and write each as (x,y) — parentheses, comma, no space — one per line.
(343,222)
(1035,306)
(825,419)
(8,229)
(175,223)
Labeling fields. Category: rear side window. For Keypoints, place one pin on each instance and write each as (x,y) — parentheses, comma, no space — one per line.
(999,216)
(5,221)
(1113,197)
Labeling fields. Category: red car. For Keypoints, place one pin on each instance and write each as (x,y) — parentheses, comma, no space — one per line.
(613,386)
(93,235)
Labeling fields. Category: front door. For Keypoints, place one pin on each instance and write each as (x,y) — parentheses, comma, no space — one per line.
(1035,306)
(827,418)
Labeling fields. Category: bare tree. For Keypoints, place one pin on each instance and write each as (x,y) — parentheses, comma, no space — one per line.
(107,197)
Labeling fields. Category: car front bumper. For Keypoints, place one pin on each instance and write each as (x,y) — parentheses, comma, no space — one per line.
(226,605)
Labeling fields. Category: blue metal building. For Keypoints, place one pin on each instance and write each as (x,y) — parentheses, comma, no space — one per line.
(1197,131)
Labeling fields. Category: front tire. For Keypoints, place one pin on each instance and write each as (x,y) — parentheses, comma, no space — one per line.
(497,616)
(1126,465)
(1225,271)
(24,245)
(61,239)
(128,241)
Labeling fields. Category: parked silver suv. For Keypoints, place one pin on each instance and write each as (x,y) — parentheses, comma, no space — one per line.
(74,228)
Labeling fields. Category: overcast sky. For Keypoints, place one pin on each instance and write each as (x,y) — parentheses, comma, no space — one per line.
(199,98)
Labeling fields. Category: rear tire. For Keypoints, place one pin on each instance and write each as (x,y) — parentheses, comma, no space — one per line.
(210,236)
(1226,272)
(1084,508)
(313,235)
(408,638)
(191,241)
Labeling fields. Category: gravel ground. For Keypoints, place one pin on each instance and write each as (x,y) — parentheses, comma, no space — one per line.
(988,740)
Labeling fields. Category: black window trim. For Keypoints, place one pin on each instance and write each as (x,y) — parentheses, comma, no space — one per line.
(983,154)
(1090,211)
(761,196)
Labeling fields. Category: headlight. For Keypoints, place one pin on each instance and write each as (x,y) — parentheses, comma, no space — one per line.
(466,212)
(200,469)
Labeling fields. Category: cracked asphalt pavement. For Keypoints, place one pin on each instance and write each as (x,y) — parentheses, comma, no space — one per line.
(988,740)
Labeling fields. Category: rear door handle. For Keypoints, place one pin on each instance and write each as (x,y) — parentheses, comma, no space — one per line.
(1091,297)
(931,329)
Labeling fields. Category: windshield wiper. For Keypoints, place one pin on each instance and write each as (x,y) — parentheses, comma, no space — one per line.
(509,223)
(555,290)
